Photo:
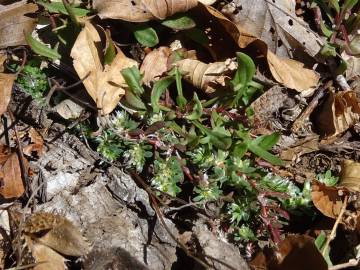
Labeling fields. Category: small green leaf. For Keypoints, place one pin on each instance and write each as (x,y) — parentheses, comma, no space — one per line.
(145,35)
(349,4)
(58,7)
(133,79)
(335,5)
(320,240)
(257,150)
(158,89)
(180,99)
(134,101)
(110,51)
(179,21)
(266,142)
(328,50)
(197,109)
(240,150)
(197,35)
(325,30)
(41,49)
(245,71)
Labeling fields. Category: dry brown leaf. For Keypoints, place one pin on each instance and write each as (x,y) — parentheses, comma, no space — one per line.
(276,24)
(11,183)
(339,112)
(350,175)
(46,257)
(290,73)
(6,84)
(141,10)
(299,252)
(302,147)
(295,252)
(208,77)
(104,84)
(353,65)
(36,144)
(14,22)
(68,109)
(326,199)
(155,64)
(58,233)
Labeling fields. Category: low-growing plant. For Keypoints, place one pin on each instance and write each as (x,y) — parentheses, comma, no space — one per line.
(33,81)
(182,140)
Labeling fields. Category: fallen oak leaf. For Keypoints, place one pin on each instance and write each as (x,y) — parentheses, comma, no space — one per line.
(6,85)
(275,22)
(289,72)
(350,175)
(327,199)
(12,185)
(104,84)
(208,77)
(141,10)
(56,232)
(295,252)
(339,112)
(36,144)
(14,22)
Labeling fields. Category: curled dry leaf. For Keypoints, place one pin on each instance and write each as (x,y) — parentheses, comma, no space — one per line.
(57,233)
(141,10)
(207,77)
(350,175)
(302,147)
(104,84)
(327,199)
(45,256)
(36,143)
(289,72)
(155,64)
(12,185)
(339,112)
(14,22)
(275,23)
(295,252)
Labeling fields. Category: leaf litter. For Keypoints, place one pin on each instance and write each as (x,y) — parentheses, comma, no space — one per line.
(245,109)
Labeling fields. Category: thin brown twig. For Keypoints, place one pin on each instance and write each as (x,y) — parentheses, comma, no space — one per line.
(21,156)
(336,224)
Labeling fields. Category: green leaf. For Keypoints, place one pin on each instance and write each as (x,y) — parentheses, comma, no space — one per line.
(179,21)
(197,35)
(335,5)
(325,30)
(240,150)
(266,142)
(328,50)
(40,48)
(349,4)
(145,35)
(58,7)
(110,51)
(133,79)
(257,150)
(134,101)
(180,99)
(158,89)
(245,71)
(197,109)
(320,240)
